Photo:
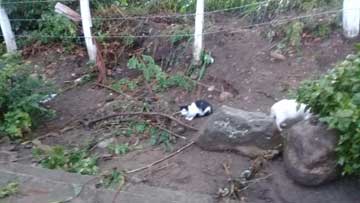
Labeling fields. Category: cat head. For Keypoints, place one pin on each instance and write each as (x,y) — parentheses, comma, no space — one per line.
(184,110)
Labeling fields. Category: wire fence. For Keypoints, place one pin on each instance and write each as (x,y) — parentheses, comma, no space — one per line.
(283,20)
(34,2)
(159,16)
(211,30)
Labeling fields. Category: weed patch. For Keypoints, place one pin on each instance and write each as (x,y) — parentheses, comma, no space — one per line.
(74,161)
(10,189)
(153,73)
(21,93)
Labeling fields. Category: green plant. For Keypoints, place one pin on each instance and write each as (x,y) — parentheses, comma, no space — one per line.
(53,28)
(158,137)
(115,178)
(16,123)
(293,34)
(180,35)
(335,97)
(129,40)
(125,83)
(20,95)
(10,189)
(198,70)
(119,149)
(151,71)
(75,161)
(322,30)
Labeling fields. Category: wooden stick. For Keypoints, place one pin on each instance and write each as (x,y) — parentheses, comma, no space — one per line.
(170,132)
(90,123)
(163,159)
(114,90)
(253,182)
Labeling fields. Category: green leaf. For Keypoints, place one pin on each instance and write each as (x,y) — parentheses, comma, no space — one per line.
(356,99)
(10,189)
(346,113)
(133,63)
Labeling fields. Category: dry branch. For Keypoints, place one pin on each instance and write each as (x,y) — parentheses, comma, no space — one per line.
(92,122)
(170,132)
(163,159)
(100,64)
(114,90)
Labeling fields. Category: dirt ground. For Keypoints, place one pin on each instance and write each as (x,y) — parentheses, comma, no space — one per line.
(243,67)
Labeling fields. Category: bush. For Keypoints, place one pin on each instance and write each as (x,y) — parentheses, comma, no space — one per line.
(74,161)
(20,94)
(153,72)
(53,28)
(335,97)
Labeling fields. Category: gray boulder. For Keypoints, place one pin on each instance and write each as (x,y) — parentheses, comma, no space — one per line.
(309,153)
(230,129)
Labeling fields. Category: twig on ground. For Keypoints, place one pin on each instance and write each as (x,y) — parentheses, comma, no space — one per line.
(92,122)
(253,182)
(256,180)
(114,90)
(266,95)
(118,190)
(204,85)
(47,135)
(163,159)
(170,132)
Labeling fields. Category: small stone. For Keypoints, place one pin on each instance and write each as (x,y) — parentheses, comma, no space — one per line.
(136,180)
(179,130)
(110,97)
(28,146)
(194,76)
(211,88)
(278,56)
(104,144)
(225,96)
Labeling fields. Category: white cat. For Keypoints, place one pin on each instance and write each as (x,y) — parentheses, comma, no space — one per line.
(287,112)
(198,108)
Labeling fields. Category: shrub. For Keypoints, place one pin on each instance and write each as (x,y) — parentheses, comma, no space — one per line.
(54,28)
(153,72)
(20,95)
(335,97)
(74,161)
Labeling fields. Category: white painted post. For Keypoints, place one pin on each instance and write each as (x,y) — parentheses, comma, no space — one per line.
(7,31)
(351,18)
(198,36)
(87,24)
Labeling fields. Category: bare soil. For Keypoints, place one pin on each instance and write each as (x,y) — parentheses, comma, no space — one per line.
(244,68)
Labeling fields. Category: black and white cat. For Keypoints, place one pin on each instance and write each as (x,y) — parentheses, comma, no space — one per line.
(198,108)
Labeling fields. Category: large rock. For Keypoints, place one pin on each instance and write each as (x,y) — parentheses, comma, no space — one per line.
(230,129)
(309,153)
